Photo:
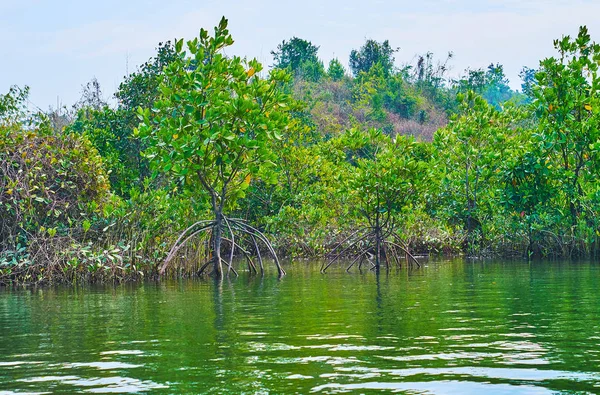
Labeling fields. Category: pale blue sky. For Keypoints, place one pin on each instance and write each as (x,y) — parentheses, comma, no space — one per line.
(56,46)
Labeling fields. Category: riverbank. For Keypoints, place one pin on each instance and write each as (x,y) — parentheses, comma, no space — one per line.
(63,260)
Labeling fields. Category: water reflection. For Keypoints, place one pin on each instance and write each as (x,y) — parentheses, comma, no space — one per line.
(445,329)
(435,387)
(101,385)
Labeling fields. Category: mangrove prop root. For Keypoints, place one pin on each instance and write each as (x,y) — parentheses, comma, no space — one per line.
(251,265)
(405,249)
(259,235)
(360,256)
(344,241)
(179,244)
(260,262)
(353,244)
(229,267)
(232,244)
(387,252)
(230,226)
(203,268)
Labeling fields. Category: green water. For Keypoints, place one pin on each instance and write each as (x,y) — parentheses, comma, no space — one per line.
(448,328)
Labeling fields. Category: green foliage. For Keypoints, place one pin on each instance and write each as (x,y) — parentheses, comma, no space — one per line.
(53,186)
(294,53)
(370,54)
(214,119)
(140,89)
(528,196)
(385,175)
(303,208)
(311,70)
(49,185)
(491,84)
(430,79)
(566,100)
(48,181)
(527,76)
(470,151)
(111,133)
(111,130)
(368,92)
(336,71)
(395,102)
(12,106)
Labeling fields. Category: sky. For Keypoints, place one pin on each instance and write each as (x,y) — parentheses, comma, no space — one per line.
(56,46)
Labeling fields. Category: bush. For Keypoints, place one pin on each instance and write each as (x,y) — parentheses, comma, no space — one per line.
(50,185)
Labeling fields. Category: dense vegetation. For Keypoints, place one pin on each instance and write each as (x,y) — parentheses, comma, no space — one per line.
(207,156)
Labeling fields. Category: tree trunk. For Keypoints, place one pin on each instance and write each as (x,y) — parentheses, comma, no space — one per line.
(217,235)
(377,245)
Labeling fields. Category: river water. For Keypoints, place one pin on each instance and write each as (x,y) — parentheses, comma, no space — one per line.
(451,327)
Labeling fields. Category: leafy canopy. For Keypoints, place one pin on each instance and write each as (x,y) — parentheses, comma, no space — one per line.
(567,102)
(215,118)
(335,71)
(371,53)
(294,53)
(384,175)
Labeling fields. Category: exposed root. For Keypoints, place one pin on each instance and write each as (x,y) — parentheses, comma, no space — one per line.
(378,246)
(179,243)
(231,227)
